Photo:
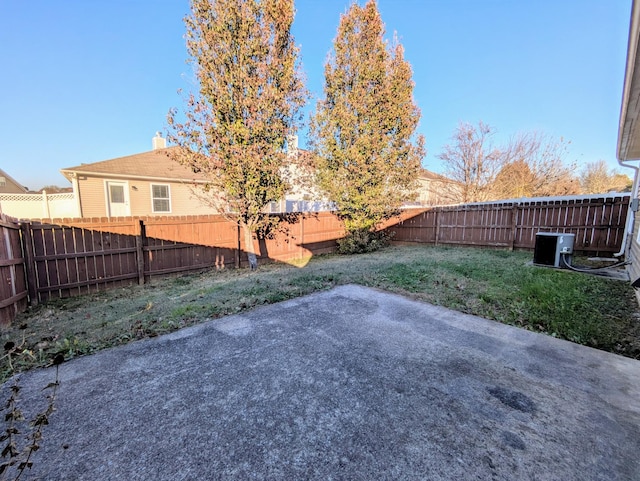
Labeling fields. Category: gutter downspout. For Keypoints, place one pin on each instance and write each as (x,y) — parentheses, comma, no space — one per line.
(76,192)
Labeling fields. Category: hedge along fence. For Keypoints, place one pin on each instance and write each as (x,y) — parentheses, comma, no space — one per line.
(68,257)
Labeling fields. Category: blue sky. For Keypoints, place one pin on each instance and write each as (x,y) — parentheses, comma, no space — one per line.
(84,81)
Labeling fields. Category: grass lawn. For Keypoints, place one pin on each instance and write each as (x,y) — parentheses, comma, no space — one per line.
(495,284)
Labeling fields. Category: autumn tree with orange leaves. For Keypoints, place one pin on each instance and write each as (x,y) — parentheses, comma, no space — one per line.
(363,130)
(250,95)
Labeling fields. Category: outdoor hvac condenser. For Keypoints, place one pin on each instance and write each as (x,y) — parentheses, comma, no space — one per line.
(553,249)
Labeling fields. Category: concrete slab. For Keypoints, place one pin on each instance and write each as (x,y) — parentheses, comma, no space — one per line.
(352,384)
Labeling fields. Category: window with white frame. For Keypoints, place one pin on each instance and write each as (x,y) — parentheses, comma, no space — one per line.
(160,198)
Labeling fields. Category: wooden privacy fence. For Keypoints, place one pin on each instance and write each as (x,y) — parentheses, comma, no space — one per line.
(597,222)
(83,255)
(13,286)
(74,256)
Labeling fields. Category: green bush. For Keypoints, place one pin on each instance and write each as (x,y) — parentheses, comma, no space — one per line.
(364,240)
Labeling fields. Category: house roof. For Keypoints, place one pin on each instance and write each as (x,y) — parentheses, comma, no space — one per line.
(12,180)
(157,165)
(154,165)
(629,129)
(428,175)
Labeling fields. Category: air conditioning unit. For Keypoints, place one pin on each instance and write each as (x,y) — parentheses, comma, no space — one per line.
(553,249)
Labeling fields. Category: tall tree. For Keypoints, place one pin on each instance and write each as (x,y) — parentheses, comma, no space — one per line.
(250,94)
(621,182)
(472,161)
(534,166)
(596,178)
(515,179)
(363,130)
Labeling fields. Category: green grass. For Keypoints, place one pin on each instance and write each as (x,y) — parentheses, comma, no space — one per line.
(499,285)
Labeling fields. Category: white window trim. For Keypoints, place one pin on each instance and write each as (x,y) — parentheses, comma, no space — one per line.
(168,186)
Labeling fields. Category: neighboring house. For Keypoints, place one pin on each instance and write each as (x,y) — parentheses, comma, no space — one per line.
(143,184)
(9,186)
(629,143)
(303,194)
(436,189)
(151,183)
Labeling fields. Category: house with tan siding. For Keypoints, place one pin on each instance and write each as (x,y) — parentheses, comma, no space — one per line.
(144,184)
(152,184)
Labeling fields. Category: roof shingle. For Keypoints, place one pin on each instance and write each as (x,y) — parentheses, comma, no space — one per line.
(154,164)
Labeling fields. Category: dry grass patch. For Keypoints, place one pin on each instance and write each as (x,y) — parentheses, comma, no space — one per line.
(495,284)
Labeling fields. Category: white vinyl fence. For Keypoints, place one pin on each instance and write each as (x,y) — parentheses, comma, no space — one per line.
(39,206)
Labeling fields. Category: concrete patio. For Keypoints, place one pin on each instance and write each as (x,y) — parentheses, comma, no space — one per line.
(348,384)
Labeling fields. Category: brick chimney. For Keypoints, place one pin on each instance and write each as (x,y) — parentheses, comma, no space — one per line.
(159,142)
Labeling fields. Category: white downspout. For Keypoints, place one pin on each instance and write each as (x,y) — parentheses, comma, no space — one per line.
(45,205)
(76,194)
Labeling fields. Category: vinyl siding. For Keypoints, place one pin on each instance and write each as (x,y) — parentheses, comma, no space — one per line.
(183,201)
(93,198)
(10,187)
(634,254)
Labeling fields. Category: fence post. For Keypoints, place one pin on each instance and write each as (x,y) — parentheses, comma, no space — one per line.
(514,218)
(437,226)
(141,240)
(45,205)
(237,257)
(301,243)
(29,263)
(11,257)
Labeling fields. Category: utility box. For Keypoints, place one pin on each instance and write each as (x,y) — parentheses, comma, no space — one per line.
(553,249)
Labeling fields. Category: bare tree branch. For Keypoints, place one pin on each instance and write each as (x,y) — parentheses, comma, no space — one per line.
(472,161)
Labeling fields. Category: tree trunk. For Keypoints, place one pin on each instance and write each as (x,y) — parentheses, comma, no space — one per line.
(249,247)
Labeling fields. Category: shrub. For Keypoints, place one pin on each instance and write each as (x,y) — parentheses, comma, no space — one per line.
(364,240)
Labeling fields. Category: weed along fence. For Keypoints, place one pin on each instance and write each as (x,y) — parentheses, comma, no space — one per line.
(597,221)
(67,257)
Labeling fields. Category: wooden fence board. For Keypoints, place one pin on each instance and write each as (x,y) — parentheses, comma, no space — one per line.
(598,223)
(13,283)
(83,269)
